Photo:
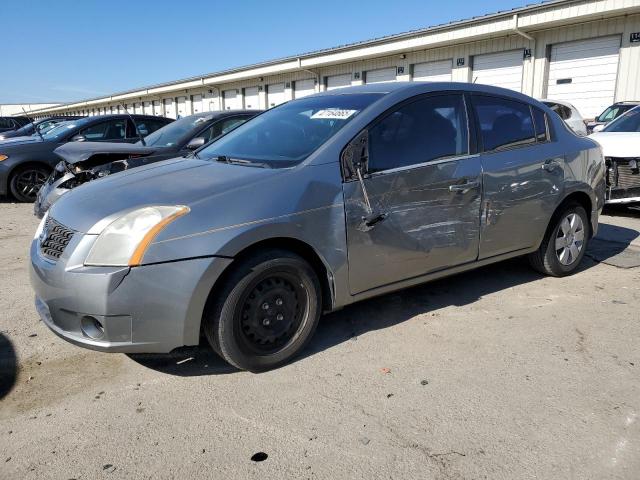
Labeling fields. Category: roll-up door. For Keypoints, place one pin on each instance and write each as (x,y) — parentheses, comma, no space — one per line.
(302,88)
(502,69)
(381,75)
(433,71)
(584,73)
(157,108)
(275,94)
(169,108)
(338,81)
(196,103)
(251,98)
(148,108)
(182,107)
(231,99)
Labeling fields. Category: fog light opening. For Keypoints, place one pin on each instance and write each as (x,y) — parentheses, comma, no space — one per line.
(92,327)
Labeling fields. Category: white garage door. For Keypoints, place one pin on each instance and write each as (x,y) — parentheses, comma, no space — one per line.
(275,94)
(231,100)
(157,108)
(196,103)
(433,71)
(251,98)
(182,107)
(584,73)
(169,108)
(338,81)
(381,75)
(302,88)
(148,108)
(138,108)
(503,69)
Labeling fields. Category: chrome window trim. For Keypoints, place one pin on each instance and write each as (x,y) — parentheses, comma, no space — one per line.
(423,164)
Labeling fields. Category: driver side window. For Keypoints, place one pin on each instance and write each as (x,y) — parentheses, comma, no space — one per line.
(425,130)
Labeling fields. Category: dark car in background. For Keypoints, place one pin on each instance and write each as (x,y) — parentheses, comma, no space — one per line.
(609,115)
(86,161)
(43,125)
(26,164)
(9,124)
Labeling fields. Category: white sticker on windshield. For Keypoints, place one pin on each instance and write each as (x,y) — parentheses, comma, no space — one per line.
(334,113)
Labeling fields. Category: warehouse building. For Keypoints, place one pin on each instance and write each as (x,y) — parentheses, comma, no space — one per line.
(586,52)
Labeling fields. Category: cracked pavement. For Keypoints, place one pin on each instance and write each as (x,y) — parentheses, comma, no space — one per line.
(498,373)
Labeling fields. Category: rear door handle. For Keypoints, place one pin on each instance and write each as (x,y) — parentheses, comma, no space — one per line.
(464,187)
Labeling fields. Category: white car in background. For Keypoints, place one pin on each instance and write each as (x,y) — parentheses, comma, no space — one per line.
(620,141)
(569,114)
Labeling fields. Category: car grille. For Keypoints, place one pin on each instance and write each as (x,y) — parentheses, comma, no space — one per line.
(623,172)
(55,239)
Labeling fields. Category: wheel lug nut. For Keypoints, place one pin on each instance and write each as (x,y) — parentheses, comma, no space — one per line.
(266,322)
(278,301)
(279,317)
(265,306)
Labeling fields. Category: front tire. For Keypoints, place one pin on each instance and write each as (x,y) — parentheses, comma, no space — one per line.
(564,244)
(26,182)
(266,311)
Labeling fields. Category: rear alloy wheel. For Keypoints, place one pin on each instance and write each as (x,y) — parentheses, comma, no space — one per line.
(27,181)
(266,312)
(564,244)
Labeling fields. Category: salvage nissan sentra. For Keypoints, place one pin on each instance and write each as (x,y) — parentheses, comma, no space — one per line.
(311,206)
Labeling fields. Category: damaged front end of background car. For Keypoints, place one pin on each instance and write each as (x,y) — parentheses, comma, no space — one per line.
(84,162)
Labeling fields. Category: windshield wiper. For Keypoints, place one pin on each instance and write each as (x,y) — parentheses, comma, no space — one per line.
(240,161)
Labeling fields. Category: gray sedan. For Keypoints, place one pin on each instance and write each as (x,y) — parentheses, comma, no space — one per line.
(313,205)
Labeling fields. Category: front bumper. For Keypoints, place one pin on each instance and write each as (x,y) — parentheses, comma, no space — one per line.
(148,309)
(623,180)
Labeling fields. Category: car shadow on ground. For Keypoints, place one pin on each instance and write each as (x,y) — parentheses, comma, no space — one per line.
(8,366)
(375,314)
(613,246)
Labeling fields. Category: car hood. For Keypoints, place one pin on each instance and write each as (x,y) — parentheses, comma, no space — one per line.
(179,181)
(98,153)
(618,144)
(20,140)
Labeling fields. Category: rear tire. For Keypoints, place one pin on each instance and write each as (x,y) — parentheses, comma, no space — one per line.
(266,311)
(26,181)
(565,242)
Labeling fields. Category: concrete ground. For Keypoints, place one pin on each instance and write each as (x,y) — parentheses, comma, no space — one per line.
(499,374)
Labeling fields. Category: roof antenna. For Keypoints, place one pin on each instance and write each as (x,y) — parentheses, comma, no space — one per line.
(134,124)
(475,80)
(33,120)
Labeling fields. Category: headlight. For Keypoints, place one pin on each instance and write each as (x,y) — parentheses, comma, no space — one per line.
(125,241)
(41,225)
(3,157)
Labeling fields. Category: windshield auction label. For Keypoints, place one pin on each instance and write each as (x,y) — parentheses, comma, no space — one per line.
(334,113)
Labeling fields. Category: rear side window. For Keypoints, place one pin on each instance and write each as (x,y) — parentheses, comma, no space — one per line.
(6,123)
(112,130)
(503,123)
(540,123)
(425,130)
(145,127)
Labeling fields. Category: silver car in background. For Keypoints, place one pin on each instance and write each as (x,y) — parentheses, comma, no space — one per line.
(569,114)
(313,205)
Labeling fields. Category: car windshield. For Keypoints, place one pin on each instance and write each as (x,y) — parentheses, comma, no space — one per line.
(627,122)
(175,132)
(289,133)
(62,129)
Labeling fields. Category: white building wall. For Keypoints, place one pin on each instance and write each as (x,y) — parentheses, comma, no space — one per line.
(546,25)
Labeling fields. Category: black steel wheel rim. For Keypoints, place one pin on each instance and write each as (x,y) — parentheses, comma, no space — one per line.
(271,312)
(28,182)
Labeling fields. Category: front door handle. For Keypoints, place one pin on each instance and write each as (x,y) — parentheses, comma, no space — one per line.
(550,165)
(464,187)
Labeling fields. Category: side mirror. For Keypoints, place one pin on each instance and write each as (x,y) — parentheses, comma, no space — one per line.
(195,143)
(355,156)
(78,138)
(598,128)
